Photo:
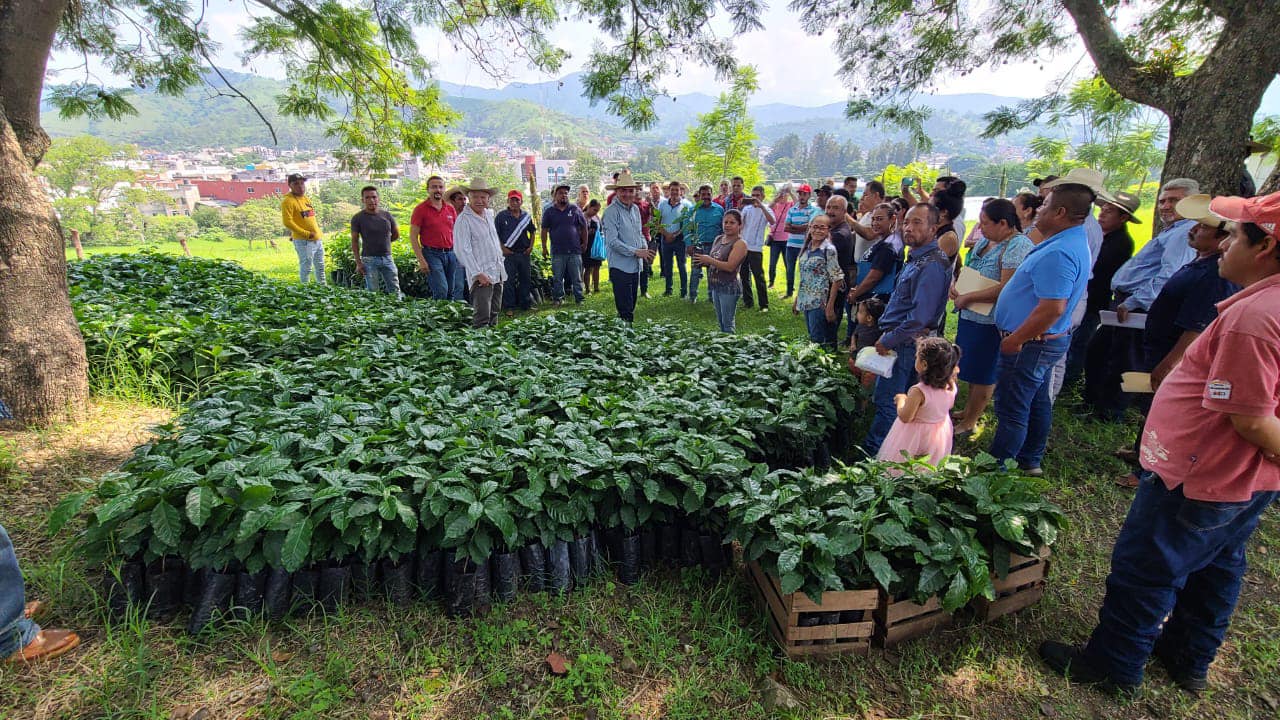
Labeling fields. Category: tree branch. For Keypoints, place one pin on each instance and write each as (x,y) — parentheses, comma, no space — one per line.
(1109,54)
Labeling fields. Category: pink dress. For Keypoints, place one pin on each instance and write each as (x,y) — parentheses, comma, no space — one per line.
(929,435)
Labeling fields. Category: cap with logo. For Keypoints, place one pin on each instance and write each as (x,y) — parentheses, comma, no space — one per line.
(515,194)
(1263,211)
(295,176)
(806,188)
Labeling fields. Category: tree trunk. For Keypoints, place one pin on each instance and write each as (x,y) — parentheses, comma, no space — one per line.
(43,369)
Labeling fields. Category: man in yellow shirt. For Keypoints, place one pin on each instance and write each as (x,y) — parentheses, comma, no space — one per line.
(299,216)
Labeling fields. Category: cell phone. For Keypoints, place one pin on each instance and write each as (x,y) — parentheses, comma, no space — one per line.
(906,182)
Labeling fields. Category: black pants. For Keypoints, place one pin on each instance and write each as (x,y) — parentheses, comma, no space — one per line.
(625,287)
(646,268)
(1112,352)
(517,288)
(753,265)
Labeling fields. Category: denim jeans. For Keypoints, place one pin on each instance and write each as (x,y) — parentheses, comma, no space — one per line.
(310,257)
(695,276)
(792,255)
(516,291)
(726,304)
(833,327)
(816,321)
(1176,558)
(670,253)
(753,267)
(445,280)
(1024,411)
(777,249)
(381,271)
(887,388)
(625,286)
(15,630)
(566,271)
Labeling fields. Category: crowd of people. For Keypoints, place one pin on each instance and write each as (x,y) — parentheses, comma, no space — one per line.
(1048,295)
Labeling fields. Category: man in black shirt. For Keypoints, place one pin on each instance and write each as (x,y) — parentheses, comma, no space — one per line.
(1115,213)
(377,229)
(842,237)
(515,234)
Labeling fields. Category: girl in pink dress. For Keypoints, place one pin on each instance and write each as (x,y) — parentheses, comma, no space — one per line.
(923,428)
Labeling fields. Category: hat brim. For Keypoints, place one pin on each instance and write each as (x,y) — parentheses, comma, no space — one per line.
(636,186)
(1064,180)
(1105,198)
(487,191)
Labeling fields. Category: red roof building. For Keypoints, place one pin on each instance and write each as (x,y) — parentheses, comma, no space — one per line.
(238,191)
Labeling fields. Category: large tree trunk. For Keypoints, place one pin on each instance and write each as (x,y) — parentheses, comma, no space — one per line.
(43,370)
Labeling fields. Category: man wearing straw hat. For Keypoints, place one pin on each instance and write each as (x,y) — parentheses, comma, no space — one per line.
(625,246)
(475,241)
(1211,447)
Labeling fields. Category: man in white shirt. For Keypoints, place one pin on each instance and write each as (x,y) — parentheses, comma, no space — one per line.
(757,221)
(475,242)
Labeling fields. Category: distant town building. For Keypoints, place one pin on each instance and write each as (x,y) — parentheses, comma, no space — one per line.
(547,172)
(237,191)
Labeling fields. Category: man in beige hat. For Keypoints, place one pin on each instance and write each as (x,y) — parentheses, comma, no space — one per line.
(475,241)
(625,245)
(1116,211)
(1116,350)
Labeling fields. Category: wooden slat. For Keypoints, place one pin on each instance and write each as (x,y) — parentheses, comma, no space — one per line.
(860,647)
(769,591)
(1024,576)
(839,600)
(896,612)
(817,639)
(842,631)
(1009,604)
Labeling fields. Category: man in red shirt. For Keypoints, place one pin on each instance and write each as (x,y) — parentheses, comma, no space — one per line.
(431,237)
(1212,448)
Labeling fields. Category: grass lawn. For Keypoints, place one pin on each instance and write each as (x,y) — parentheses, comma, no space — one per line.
(678,645)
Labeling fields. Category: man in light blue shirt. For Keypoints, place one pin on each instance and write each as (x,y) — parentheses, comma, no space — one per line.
(624,244)
(1115,350)
(1033,315)
(700,232)
(797,227)
(673,211)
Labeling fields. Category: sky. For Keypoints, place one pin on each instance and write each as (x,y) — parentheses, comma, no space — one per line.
(789,62)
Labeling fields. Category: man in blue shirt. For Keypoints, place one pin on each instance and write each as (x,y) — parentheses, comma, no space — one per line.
(797,226)
(625,244)
(1115,350)
(565,224)
(912,313)
(700,232)
(673,212)
(1033,315)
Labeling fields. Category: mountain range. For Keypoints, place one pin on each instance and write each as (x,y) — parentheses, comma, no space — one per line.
(534,114)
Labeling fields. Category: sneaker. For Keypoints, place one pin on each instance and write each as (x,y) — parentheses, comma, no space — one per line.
(764,309)
(645,295)
(1032,471)
(1069,662)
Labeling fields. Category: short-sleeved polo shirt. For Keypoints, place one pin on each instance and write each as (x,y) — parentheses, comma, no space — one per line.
(1233,368)
(435,225)
(565,228)
(1187,302)
(1056,269)
(799,215)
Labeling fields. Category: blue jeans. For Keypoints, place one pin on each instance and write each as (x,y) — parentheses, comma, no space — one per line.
(445,280)
(1176,558)
(566,269)
(793,254)
(381,270)
(15,630)
(777,249)
(1024,410)
(696,276)
(887,388)
(816,321)
(516,291)
(833,328)
(625,287)
(726,304)
(673,253)
(310,257)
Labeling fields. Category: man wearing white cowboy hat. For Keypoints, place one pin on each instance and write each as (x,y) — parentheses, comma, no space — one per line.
(1136,285)
(625,245)
(475,241)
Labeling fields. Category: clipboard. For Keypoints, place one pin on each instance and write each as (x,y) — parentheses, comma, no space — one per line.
(1136,382)
(971,280)
(1136,321)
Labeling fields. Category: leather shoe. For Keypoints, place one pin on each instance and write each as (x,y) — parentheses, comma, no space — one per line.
(1069,662)
(1179,673)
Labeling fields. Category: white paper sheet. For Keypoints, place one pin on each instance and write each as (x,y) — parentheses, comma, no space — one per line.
(1136,382)
(871,361)
(1137,321)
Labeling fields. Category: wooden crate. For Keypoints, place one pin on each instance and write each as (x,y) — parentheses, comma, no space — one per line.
(901,620)
(784,617)
(1021,588)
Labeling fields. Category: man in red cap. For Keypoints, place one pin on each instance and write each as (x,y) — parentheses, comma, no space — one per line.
(515,233)
(1212,448)
(797,227)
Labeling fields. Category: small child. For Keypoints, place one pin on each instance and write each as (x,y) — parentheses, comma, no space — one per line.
(865,335)
(923,427)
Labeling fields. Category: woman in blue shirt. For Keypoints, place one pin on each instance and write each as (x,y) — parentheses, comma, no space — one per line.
(996,256)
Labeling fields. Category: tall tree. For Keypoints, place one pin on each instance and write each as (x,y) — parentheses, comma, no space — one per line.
(723,142)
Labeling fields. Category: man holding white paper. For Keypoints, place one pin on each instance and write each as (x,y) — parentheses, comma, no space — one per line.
(913,312)
(1033,315)
(1136,285)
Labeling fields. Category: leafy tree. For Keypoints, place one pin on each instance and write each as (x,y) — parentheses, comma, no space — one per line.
(254,220)
(722,144)
(1267,132)
(170,228)
(496,171)
(658,163)
(587,169)
(205,217)
(82,181)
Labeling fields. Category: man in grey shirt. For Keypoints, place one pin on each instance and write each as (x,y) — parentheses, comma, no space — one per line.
(377,229)
(625,244)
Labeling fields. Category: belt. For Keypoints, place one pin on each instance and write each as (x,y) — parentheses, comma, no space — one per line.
(1038,338)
